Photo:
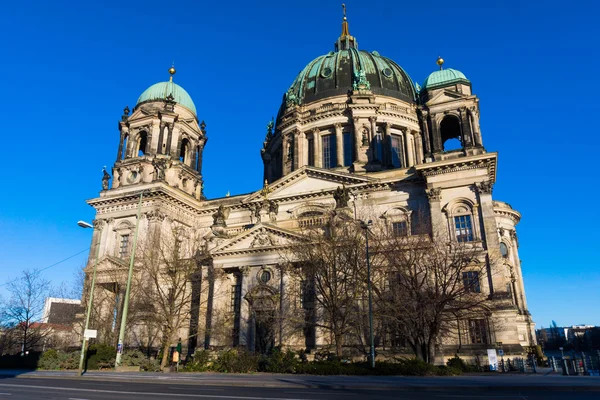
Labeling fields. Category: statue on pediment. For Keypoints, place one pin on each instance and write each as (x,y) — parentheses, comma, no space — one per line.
(341,196)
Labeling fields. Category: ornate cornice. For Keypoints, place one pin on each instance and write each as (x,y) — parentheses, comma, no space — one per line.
(483,161)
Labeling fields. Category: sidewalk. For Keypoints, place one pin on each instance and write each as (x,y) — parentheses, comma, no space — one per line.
(475,381)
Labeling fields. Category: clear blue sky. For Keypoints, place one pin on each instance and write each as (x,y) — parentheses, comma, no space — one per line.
(69,69)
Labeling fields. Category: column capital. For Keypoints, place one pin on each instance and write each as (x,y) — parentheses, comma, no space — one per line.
(245,270)
(485,187)
(337,125)
(434,194)
(99,224)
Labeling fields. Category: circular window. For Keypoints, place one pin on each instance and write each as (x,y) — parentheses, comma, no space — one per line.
(326,72)
(387,72)
(132,176)
(503,250)
(265,276)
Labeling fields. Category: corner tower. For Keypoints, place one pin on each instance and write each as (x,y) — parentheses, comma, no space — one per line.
(161,140)
(450,115)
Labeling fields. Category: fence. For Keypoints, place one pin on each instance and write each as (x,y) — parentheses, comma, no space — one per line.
(577,364)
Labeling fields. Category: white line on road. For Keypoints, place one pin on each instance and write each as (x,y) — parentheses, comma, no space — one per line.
(326,394)
(187,387)
(211,396)
(4,394)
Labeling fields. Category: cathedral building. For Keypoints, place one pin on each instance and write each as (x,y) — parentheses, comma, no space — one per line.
(351,119)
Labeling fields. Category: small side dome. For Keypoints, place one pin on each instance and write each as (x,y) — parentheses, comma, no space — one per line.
(160,91)
(445,77)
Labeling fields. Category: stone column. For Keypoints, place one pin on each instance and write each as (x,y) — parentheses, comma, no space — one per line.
(339,144)
(409,148)
(474,121)
(419,147)
(467,136)
(426,135)
(297,149)
(161,136)
(244,307)
(124,132)
(489,235)
(517,266)
(438,146)
(171,148)
(201,144)
(301,150)
(439,224)
(387,144)
(318,146)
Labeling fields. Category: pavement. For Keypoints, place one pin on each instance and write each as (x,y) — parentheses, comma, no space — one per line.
(484,381)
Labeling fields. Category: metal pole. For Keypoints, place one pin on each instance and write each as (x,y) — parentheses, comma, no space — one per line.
(89,307)
(128,290)
(370,299)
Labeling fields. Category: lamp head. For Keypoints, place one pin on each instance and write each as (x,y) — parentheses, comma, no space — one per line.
(84,224)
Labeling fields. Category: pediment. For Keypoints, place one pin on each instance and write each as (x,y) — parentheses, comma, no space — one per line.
(446,95)
(308,180)
(259,237)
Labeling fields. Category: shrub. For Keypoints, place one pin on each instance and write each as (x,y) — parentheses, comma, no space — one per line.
(237,361)
(279,361)
(54,359)
(133,358)
(459,364)
(200,362)
(100,356)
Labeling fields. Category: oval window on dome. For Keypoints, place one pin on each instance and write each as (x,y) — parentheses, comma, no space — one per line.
(387,72)
(326,72)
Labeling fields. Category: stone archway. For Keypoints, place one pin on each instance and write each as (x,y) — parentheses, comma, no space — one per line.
(263,302)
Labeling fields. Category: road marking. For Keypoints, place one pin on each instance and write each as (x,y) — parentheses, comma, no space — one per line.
(186,387)
(75,398)
(4,394)
(211,396)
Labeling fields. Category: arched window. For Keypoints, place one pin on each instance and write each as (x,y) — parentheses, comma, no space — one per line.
(503,250)
(451,133)
(396,149)
(142,143)
(184,152)
(399,221)
(329,151)
(378,146)
(462,219)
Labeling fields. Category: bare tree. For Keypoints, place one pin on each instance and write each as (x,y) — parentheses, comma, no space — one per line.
(331,267)
(424,287)
(167,269)
(22,312)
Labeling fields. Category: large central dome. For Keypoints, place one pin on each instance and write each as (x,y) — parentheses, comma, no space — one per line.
(335,73)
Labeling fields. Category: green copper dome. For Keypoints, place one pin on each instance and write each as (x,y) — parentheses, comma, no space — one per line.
(336,73)
(444,77)
(160,91)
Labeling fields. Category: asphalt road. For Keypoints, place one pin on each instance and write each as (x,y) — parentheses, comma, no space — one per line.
(65,388)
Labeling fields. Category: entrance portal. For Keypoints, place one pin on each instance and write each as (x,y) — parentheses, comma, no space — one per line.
(264,319)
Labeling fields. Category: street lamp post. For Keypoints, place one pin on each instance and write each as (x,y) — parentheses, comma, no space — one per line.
(84,224)
(366,226)
(128,290)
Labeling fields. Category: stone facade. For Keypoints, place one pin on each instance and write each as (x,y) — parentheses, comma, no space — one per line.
(389,152)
